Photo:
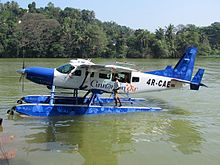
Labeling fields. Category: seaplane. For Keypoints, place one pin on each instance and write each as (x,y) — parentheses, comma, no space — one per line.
(96,79)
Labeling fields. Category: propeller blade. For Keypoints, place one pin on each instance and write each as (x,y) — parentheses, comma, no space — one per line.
(20,78)
(22,72)
(22,84)
(23,64)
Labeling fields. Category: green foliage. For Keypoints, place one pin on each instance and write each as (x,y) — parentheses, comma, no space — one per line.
(55,32)
(212,35)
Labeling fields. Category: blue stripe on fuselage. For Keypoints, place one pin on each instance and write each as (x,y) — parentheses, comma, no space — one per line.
(40,75)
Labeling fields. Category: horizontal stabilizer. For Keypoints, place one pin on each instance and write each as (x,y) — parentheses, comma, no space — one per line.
(196,81)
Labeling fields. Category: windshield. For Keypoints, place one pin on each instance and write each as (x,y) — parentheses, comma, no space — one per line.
(65,69)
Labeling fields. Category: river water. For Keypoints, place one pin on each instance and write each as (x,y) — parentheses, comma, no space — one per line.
(186,131)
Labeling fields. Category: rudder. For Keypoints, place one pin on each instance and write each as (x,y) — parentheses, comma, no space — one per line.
(184,68)
(196,81)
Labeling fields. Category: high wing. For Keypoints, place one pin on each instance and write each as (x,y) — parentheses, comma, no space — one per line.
(106,68)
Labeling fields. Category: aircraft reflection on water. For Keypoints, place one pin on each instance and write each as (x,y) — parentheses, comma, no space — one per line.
(103,139)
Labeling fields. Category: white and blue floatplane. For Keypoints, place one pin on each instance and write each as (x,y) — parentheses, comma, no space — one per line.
(95,79)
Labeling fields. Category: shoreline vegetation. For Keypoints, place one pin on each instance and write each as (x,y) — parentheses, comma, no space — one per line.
(50,31)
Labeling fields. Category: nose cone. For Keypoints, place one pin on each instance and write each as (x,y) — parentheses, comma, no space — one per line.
(21,71)
(39,75)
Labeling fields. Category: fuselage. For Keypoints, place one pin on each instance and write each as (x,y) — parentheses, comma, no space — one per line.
(139,82)
(85,75)
(131,81)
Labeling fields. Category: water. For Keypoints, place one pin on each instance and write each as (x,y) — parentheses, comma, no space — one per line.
(185,132)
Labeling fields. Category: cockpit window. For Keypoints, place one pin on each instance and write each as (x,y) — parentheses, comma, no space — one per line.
(65,69)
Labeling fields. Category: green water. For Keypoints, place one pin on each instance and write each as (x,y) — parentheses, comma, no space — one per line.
(185,132)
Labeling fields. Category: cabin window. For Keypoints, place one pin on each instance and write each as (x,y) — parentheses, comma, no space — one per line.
(77,73)
(135,79)
(104,76)
(65,69)
(92,74)
(124,77)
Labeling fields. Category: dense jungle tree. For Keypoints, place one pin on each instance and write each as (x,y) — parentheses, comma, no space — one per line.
(54,32)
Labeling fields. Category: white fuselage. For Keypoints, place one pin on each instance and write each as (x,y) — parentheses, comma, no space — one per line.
(137,81)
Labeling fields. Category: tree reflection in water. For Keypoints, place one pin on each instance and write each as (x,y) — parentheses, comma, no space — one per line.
(102,139)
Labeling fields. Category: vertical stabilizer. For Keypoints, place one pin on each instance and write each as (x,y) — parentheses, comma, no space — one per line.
(196,81)
(184,68)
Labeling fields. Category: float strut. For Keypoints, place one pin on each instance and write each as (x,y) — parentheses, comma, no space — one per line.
(75,94)
(52,93)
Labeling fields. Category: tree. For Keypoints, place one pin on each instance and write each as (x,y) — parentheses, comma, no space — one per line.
(159,49)
(32,7)
(54,32)
(213,35)
(190,35)
(139,44)
(160,34)
(9,13)
(170,38)
(36,33)
(97,40)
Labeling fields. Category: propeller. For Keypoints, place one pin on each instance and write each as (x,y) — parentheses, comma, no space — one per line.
(22,72)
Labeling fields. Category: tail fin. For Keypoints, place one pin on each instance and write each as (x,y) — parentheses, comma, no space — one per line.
(184,68)
(196,81)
